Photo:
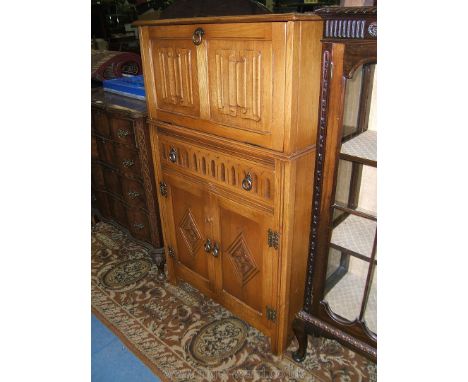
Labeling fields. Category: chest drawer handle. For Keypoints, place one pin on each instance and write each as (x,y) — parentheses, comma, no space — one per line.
(121,133)
(173,155)
(139,226)
(133,194)
(128,163)
(247,182)
(197,36)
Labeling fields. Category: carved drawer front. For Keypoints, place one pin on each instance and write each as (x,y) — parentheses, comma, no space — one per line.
(138,224)
(249,178)
(112,180)
(105,149)
(122,131)
(119,210)
(127,161)
(133,192)
(176,75)
(100,122)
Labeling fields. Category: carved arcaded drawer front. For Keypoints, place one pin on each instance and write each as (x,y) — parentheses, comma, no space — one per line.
(138,224)
(97,176)
(112,180)
(122,131)
(227,80)
(133,193)
(118,209)
(248,177)
(105,149)
(127,161)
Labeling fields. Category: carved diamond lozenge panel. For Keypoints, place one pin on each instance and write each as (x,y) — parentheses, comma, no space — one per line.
(190,233)
(242,259)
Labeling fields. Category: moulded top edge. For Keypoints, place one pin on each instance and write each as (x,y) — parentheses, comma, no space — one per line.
(233,19)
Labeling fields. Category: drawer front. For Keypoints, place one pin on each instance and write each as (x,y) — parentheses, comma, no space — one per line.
(249,178)
(102,203)
(133,193)
(118,210)
(94,148)
(127,161)
(122,131)
(112,180)
(227,85)
(100,122)
(105,148)
(139,224)
(97,176)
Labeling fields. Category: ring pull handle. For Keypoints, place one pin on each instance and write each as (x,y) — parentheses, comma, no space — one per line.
(215,252)
(173,155)
(208,246)
(247,182)
(197,36)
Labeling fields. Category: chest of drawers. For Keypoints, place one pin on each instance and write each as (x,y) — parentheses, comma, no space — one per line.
(123,187)
(232,105)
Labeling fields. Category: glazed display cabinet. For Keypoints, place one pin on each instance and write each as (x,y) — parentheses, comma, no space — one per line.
(341,283)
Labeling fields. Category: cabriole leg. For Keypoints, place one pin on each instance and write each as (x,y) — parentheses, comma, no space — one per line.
(301,335)
(160,260)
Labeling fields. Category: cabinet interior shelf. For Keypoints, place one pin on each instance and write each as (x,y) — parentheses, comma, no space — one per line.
(345,299)
(362,149)
(355,235)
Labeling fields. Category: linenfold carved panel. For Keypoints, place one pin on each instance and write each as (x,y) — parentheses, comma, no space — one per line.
(242,259)
(175,66)
(238,83)
(190,233)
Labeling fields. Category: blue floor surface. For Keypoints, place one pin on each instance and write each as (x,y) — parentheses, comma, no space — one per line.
(111,361)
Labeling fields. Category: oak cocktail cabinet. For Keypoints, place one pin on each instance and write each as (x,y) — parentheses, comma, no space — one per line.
(232,105)
(341,288)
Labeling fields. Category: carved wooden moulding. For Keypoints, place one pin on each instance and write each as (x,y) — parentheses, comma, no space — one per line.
(349,22)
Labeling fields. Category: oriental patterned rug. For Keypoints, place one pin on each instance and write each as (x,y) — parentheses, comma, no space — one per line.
(182,335)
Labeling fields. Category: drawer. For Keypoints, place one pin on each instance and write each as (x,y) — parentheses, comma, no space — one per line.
(127,161)
(122,130)
(247,177)
(105,148)
(229,85)
(112,180)
(94,148)
(139,224)
(97,176)
(118,210)
(100,122)
(133,192)
(102,203)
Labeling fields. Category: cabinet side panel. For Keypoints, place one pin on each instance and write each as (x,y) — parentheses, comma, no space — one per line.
(308,84)
(301,230)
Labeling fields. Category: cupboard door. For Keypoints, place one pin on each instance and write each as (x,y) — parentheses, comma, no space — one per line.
(189,230)
(176,77)
(246,265)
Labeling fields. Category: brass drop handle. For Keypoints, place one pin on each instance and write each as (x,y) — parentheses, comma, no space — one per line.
(133,194)
(122,133)
(208,246)
(197,36)
(247,182)
(139,226)
(173,155)
(128,163)
(215,250)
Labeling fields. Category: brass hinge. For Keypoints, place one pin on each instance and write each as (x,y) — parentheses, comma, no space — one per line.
(273,239)
(163,188)
(171,252)
(270,314)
